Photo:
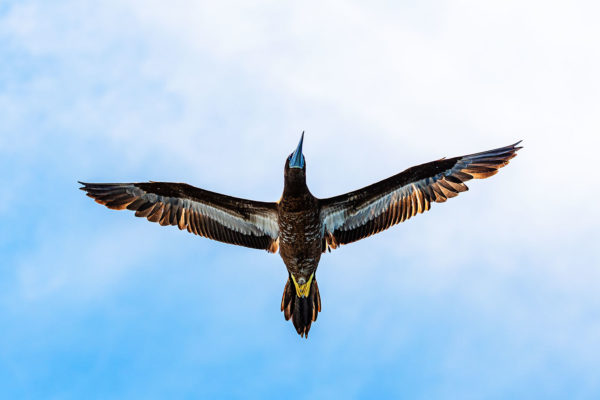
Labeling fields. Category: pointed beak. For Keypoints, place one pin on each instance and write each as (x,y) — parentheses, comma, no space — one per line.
(297,159)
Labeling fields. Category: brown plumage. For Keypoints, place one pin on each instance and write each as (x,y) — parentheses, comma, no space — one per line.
(300,225)
(302,310)
(364,212)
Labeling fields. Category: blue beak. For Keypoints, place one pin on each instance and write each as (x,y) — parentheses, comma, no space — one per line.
(297,159)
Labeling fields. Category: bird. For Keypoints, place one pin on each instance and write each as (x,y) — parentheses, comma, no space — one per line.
(299,225)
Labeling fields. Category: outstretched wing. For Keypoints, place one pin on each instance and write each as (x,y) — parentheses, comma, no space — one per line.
(212,215)
(364,212)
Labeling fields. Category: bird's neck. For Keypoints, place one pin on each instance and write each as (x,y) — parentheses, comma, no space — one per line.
(295,188)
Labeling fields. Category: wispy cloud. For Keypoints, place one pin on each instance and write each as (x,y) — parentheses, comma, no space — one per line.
(490,295)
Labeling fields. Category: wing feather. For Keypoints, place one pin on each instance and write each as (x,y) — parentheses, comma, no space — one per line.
(201,212)
(367,211)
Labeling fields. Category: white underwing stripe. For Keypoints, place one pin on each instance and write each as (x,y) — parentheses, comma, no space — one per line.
(256,224)
(360,208)
(347,219)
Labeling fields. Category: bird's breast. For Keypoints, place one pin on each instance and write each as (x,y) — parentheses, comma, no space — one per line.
(300,236)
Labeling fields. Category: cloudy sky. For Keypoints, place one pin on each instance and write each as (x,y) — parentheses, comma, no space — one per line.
(491,295)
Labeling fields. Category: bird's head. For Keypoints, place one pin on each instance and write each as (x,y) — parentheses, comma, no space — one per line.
(295,167)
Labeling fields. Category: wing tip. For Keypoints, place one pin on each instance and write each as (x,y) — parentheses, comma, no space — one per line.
(516,146)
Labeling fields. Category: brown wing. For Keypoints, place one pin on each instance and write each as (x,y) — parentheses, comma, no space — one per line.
(212,215)
(364,212)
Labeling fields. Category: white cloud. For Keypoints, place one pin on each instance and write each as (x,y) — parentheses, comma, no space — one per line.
(481,76)
(150,90)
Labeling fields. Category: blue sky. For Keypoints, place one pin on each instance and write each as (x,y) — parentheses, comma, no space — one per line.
(491,295)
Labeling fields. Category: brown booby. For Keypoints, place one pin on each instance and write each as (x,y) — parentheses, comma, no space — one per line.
(300,225)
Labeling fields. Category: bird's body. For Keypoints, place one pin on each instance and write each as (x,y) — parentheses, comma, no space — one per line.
(300,225)
(300,247)
(300,237)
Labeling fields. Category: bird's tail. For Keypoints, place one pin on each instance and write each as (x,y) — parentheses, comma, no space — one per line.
(302,310)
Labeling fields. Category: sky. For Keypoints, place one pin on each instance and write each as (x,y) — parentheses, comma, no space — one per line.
(490,295)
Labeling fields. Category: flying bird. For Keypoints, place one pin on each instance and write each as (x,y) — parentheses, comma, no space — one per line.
(300,226)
